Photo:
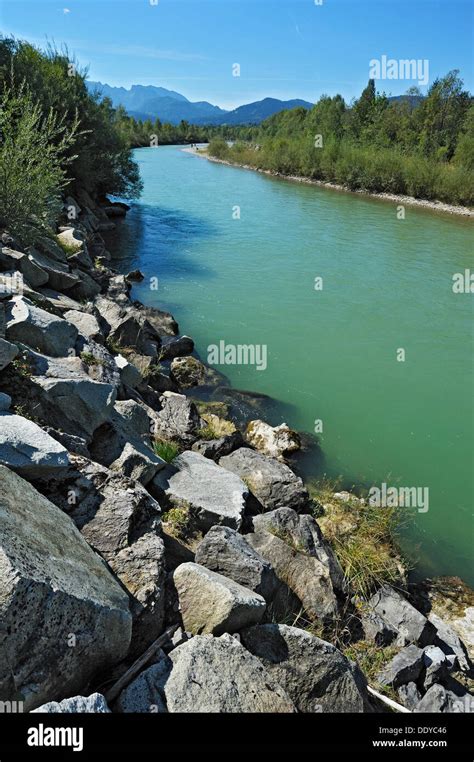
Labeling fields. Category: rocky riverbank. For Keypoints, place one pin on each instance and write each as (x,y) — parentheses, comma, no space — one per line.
(158,553)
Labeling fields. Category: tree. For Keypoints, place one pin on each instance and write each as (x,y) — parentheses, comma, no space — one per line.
(33,153)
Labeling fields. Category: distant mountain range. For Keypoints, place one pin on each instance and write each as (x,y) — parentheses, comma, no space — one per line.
(149,102)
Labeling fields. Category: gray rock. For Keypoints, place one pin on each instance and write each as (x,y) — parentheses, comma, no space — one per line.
(409,695)
(121,521)
(129,374)
(85,287)
(272,482)
(305,575)
(147,692)
(59,301)
(411,626)
(303,532)
(29,450)
(60,277)
(39,329)
(138,462)
(127,326)
(450,643)
(314,674)
(217,448)
(85,323)
(439,699)
(405,667)
(75,404)
(219,675)
(212,603)
(214,495)
(176,346)
(177,419)
(93,704)
(16,260)
(377,629)
(124,442)
(225,551)
(64,617)
(436,666)
(8,352)
(163,322)
(5,402)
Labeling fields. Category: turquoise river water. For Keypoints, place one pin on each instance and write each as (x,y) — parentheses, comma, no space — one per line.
(332,353)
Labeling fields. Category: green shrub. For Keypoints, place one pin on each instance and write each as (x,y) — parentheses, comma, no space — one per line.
(33,158)
(166,450)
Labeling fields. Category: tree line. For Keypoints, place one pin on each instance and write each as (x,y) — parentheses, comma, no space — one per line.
(413,145)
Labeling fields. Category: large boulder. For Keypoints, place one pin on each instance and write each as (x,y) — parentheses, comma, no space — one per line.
(273,483)
(217,448)
(410,624)
(124,444)
(177,419)
(305,575)
(212,603)
(85,322)
(450,643)
(60,276)
(405,667)
(93,704)
(440,699)
(8,352)
(176,346)
(39,329)
(147,692)
(436,666)
(275,441)
(302,531)
(121,521)
(126,326)
(219,675)
(225,551)
(29,450)
(214,495)
(64,617)
(76,404)
(314,674)
(17,260)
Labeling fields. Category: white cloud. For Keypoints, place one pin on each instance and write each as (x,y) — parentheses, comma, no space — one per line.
(66,10)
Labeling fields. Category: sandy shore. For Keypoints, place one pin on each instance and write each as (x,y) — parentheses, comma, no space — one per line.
(436,206)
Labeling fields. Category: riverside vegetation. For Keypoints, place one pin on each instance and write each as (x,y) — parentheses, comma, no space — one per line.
(420,147)
(140,520)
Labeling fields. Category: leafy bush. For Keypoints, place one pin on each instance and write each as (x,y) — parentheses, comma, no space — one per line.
(33,160)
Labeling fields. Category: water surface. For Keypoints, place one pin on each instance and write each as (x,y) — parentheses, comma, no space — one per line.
(332,354)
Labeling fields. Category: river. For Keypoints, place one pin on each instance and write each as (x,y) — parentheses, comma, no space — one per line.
(236,254)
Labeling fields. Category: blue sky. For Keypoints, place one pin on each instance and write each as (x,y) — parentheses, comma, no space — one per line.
(285,48)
